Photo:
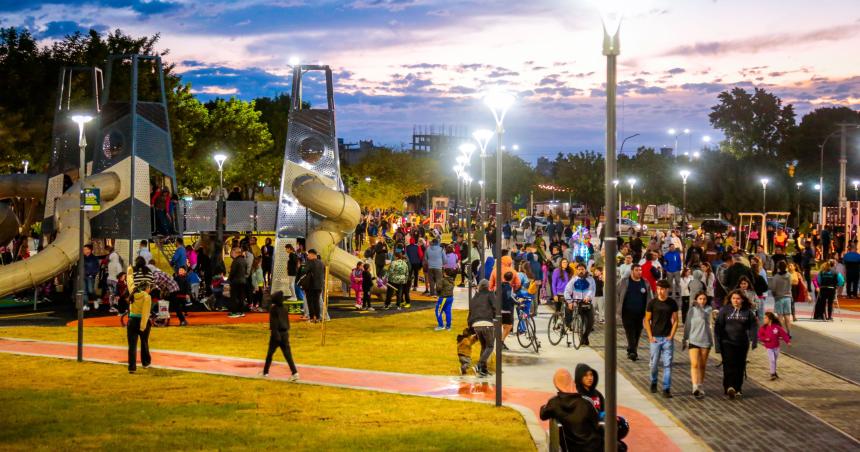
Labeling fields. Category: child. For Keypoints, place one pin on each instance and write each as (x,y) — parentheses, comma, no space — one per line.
(507,306)
(218,291)
(122,294)
(445,288)
(464,349)
(366,285)
(356,280)
(769,335)
(257,283)
(686,278)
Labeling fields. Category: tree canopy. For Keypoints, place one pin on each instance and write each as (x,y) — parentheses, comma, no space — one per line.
(753,124)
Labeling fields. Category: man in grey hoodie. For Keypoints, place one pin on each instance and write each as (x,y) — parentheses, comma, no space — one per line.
(435,256)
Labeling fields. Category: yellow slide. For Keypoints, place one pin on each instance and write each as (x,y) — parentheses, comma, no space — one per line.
(21,186)
(63,252)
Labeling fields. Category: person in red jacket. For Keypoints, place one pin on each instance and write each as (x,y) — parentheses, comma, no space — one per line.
(651,270)
(769,335)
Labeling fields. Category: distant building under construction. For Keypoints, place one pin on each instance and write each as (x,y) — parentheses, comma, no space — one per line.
(439,140)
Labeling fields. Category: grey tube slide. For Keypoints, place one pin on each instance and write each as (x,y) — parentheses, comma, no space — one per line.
(62,252)
(18,185)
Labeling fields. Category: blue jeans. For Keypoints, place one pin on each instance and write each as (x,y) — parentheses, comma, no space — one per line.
(443,306)
(89,288)
(662,349)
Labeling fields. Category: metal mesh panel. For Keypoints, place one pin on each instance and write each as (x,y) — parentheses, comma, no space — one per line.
(152,146)
(141,181)
(267,216)
(114,144)
(240,215)
(200,216)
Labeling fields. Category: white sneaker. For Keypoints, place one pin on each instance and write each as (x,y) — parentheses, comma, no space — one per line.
(439,328)
(294,377)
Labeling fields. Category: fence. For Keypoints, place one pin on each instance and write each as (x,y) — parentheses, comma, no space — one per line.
(201,216)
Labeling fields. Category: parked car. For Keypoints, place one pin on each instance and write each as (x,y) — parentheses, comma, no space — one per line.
(717,225)
(540,222)
(625,225)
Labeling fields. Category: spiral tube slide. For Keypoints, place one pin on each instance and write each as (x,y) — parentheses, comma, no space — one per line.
(18,185)
(62,252)
(341,214)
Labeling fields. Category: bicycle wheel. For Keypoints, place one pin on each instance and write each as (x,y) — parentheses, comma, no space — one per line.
(532,329)
(555,330)
(523,336)
(576,330)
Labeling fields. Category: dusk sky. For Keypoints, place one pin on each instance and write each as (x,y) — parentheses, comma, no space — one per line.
(405,62)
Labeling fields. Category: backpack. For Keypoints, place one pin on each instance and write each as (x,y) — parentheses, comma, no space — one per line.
(533,287)
(828,279)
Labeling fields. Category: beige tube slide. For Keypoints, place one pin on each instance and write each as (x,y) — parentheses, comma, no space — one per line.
(63,252)
(341,214)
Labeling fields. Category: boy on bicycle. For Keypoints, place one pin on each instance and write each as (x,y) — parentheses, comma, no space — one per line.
(579,294)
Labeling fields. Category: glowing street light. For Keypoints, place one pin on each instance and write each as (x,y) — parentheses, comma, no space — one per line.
(855,183)
(81,120)
(764,181)
(684,175)
(499,102)
(294,61)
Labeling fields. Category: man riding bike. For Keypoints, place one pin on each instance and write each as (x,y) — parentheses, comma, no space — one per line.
(579,294)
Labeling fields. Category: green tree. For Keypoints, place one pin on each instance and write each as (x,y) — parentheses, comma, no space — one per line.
(394,176)
(582,172)
(753,124)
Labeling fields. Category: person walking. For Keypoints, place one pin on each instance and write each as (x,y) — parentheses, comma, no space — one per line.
(445,288)
(673,268)
(851,259)
(416,256)
(633,294)
(398,276)
(769,335)
(138,323)
(699,340)
(780,287)
(314,284)
(435,256)
(267,252)
(279,335)
(735,330)
(481,314)
(828,281)
(661,323)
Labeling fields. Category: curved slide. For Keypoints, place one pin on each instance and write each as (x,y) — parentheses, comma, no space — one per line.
(341,214)
(62,252)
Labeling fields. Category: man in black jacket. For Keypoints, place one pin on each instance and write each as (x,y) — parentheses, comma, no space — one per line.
(279,337)
(238,279)
(314,284)
(633,294)
(579,419)
(481,313)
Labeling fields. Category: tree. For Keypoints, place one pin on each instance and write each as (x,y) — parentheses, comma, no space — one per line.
(753,124)
(583,174)
(189,118)
(395,176)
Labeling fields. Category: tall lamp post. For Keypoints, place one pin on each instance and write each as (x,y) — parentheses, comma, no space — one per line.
(611,28)
(798,184)
(81,121)
(499,102)
(764,182)
(856,184)
(684,175)
(220,159)
(26,164)
(482,137)
(467,149)
(631,181)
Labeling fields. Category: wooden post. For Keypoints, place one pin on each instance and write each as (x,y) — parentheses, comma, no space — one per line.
(328,257)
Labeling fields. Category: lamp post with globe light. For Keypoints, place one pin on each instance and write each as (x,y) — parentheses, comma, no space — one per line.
(219,160)
(81,120)
(764,181)
(482,137)
(798,184)
(499,102)
(684,175)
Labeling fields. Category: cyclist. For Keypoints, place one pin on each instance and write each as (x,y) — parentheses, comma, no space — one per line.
(579,294)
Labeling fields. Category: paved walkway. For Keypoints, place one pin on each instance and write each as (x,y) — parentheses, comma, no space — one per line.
(645,435)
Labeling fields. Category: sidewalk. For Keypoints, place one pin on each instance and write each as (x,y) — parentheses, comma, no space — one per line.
(644,435)
(523,369)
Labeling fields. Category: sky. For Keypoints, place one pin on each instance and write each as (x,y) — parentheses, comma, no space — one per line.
(400,63)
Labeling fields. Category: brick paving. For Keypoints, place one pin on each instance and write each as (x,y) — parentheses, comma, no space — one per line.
(834,355)
(763,420)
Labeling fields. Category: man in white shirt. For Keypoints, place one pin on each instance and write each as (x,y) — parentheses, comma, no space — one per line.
(143,251)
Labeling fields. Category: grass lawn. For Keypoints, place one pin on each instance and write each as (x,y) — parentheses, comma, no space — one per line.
(398,343)
(53,404)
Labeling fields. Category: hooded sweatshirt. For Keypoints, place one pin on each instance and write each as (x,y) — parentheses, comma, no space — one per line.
(579,421)
(591,393)
(114,266)
(507,266)
(140,308)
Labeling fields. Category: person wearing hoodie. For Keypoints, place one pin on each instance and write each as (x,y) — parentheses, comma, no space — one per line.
(734,331)
(579,420)
(435,256)
(481,314)
(673,269)
(698,338)
(769,335)
(115,267)
(445,289)
(579,293)
(279,337)
(507,266)
(560,277)
(138,324)
(586,386)
(415,255)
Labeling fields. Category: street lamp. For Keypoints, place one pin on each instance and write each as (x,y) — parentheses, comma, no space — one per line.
(675,133)
(499,102)
(615,183)
(81,121)
(482,137)
(367,179)
(220,159)
(798,184)
(764,182)
(631,181)
(611,18)
(26,164)
(684,175)
(856,184)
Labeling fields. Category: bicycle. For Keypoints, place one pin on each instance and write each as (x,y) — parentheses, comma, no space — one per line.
(558,329)
(159,318)
(526,329)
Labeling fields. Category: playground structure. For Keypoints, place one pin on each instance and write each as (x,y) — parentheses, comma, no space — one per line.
(129,152)
(748,219)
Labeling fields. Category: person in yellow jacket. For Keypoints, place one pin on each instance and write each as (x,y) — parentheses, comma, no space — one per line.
(139,326)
